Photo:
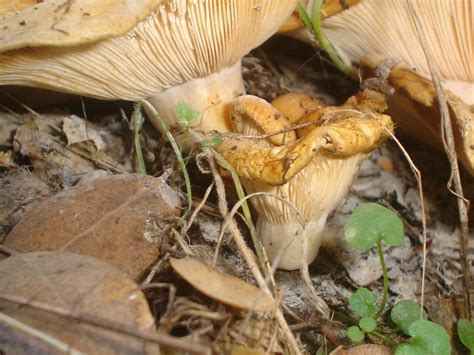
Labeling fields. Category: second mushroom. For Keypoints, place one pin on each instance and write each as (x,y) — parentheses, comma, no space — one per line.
(311,169)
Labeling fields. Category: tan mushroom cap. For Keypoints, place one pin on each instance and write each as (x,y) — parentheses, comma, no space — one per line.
(415,104)
(136,49)
(387,28)
(295,104)
(61,23)
(312,172)
(10,6)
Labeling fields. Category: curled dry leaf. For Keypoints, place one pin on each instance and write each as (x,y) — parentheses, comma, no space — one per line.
(224,288)
(76,283)
(104,218)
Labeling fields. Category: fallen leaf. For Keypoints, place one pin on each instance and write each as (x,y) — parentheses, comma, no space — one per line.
(77,130)
(19,191)
(224,288)
(78,284)
(41,139)
(104,218)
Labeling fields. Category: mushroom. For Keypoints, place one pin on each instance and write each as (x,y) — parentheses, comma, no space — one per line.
(167,51)
(311,169)
(374,28)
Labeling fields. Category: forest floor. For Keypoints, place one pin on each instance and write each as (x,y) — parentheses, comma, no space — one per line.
(60,190)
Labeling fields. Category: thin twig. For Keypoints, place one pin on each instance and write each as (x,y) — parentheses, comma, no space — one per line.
(322,121)
(161,339)
(48,339)
(418,178)
(240,202)
(248,256)
(198,208)
(450,148)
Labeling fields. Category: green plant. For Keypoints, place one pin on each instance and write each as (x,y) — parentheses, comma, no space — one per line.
(186,116)
(313,23)
(155,116)
(369,225)
(465,330)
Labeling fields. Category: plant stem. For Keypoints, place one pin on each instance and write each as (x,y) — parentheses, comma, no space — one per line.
(322,39)
(384,338)
(136,125)
(156,117)
(138,150)
(385,279)
(245,207)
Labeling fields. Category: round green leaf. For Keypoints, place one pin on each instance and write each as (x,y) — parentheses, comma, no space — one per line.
(466,333)
(355,334)
(427,338)
(370,223)
(364,303)
(404,313)
(367,324)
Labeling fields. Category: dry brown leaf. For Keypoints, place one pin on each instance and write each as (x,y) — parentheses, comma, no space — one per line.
(243,350)
(224,288)
(78,130)
(41,140)
(19,191)
(365,349)
(104,218)
(75,283)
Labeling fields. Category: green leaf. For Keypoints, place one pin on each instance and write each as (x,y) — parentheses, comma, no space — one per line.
(186,116)
(404,313)
(355,334)
(370,223)
(367,324)
(427,338)
(364,303)
(213,143)
(466,333)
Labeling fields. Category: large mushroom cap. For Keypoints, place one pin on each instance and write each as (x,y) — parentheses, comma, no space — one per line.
(61,23)
(130,49)
(386,29)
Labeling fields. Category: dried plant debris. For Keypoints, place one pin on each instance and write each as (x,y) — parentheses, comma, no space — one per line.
(78,284)
(20,190)
(104,218)
(41,139)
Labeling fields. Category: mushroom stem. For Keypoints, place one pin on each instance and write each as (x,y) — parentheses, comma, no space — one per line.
(315,191)
(209,95)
